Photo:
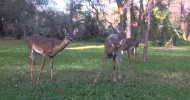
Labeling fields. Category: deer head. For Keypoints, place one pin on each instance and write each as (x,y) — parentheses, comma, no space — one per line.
(114,48)
(69,35)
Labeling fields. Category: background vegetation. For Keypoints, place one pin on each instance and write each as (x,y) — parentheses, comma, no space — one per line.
(42,17)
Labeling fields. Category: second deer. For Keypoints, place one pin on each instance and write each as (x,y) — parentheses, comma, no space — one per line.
(129,44)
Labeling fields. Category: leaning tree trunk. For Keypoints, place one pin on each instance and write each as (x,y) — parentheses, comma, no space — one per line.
(148,31)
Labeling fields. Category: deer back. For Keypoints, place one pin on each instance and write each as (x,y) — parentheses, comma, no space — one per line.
(128,43)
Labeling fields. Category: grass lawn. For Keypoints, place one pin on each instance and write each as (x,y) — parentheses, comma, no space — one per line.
(166,75)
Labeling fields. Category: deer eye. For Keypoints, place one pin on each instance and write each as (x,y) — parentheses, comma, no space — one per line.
(67,34)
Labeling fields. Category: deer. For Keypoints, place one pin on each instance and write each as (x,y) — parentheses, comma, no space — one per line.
(111,50)
(47,47)
(129,44)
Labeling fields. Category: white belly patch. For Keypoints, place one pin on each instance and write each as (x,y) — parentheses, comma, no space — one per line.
(38,50)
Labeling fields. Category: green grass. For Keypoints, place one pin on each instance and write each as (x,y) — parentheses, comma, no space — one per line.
(166,75)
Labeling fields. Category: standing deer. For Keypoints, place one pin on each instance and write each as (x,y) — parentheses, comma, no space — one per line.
(128,44)
(47,47)
(111,50)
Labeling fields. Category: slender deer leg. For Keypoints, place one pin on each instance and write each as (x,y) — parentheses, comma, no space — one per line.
(119,72)
(51,65)
(33,67)
(101,66)
(114,70)
(119,57)
(32,58)
(29,62)
(128,55)
(42,66)
(134,54)
(34,62)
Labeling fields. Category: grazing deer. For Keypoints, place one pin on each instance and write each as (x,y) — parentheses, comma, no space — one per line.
(128,44)
(111,50)
(47,47)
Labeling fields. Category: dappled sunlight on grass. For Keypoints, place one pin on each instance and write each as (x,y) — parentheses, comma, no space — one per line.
(13,50)
(86,47)
(173,77)
(75,67)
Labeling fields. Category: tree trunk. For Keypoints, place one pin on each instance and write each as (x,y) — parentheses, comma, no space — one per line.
(147,32)
(1,28)
(121,13)
(71,15)
(128,28)
(141,10)
(181,15)
(187,26)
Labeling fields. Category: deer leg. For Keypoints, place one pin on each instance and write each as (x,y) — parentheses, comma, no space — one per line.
(135,54)
(31,58)
(51,65)
(120,56)
(42,65)
(119,61)
(114,70)
(31,66)
(119,72)
(128,55)
(101,66)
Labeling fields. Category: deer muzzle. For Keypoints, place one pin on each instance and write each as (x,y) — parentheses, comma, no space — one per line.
(114,54)
(70,39)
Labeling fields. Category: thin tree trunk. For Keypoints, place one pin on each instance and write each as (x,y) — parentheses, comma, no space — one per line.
(1,28)
(187,26)
(141,10)
(128,34)
(147,32)
(71,15)
(121,13)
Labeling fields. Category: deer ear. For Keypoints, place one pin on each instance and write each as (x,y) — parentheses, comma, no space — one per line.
(75,31)
(64,30)
(117,30)
(122,42)
(125,31)
(110,43)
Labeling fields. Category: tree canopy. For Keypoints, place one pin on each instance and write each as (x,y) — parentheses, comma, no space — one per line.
(22,17)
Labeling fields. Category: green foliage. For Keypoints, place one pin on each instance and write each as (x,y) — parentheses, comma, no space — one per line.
(161,15)
(164,76)
(167,32)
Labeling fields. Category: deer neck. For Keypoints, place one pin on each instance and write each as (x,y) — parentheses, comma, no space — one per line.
(62,45)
